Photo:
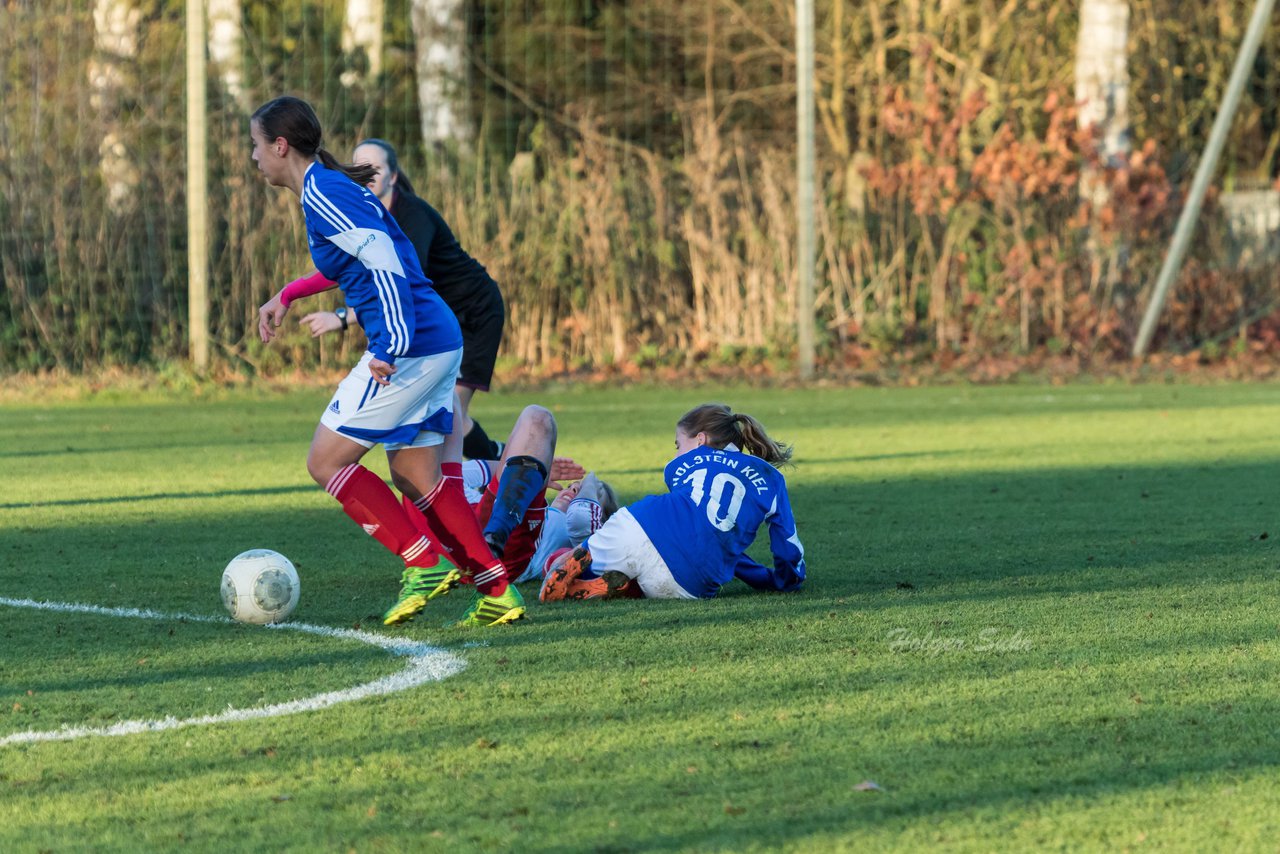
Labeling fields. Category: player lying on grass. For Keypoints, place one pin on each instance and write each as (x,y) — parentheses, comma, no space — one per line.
(510,498)
(400,394)
(691,541)
(576,513)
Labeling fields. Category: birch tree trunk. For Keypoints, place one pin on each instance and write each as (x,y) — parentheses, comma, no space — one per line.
(440,32)
(1102,84)
(1102,91)
(115,28)
(226,49)
(362,41)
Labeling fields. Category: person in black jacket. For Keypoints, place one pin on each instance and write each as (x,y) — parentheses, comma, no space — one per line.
(459,279)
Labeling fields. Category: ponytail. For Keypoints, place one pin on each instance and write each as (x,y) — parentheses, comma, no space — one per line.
(724,427)
(757,442)
(403,184)
(361,174)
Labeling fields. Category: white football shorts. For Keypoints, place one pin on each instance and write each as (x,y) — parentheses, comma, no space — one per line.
(621,545)
(414,411)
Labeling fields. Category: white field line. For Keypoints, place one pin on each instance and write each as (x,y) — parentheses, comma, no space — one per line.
(426,664)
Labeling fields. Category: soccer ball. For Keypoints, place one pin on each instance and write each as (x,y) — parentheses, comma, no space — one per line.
(260,586)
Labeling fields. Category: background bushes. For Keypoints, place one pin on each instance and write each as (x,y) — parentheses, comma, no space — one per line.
(632,183)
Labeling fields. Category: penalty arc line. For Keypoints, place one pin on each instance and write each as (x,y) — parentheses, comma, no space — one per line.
(426,664)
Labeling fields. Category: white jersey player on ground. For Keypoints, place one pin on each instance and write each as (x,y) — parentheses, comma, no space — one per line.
(688,543)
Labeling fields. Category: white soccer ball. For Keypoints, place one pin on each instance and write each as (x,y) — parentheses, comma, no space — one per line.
(260,586)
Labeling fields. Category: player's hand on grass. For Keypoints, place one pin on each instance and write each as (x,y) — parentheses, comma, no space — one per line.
(564,468)
(270,316)
(381,371)
(320,322)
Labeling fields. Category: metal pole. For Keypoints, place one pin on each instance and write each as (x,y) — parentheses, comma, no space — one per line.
(1204,173)
(197,190)
(806,253)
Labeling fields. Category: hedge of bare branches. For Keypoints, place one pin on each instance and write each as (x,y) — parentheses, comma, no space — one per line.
(632,183)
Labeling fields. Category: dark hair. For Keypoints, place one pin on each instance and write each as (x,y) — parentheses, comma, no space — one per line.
(393,164)
(293,119)
(724,426)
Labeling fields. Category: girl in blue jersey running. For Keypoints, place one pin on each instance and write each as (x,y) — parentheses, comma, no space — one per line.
(691,541)
(401,392)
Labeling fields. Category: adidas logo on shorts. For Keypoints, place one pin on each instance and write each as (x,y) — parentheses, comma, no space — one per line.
(333,407)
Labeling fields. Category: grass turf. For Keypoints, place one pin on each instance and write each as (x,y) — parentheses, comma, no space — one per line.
(1036,618)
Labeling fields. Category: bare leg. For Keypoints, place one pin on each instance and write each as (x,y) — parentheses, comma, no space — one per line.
(416,471)
(534,435)
(462,409)
(331,452)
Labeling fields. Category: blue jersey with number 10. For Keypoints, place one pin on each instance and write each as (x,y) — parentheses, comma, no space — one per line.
(718,499)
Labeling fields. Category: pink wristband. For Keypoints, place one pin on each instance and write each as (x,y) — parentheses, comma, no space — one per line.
(305,287)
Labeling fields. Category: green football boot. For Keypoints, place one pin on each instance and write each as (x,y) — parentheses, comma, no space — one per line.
(493,610)
(418,586)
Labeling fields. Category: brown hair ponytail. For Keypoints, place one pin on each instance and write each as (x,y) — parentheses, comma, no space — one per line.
(362,175)
(723,426)
(294,120)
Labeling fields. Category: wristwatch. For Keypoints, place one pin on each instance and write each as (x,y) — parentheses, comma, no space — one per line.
(342,315)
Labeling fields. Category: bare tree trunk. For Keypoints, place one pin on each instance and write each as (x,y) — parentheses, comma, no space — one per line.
(1102,90)
(1102,84)
(362,41)
(226,49)
(440,31)
(115,27)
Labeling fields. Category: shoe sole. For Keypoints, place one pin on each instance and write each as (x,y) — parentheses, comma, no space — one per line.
(549,585)
(556,581)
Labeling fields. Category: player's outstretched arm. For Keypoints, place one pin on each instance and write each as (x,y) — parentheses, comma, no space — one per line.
(320,322)
(761,577)
(784,542)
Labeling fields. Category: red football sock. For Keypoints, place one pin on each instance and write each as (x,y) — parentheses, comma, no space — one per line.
(454,522)
(373,506)
(432,555)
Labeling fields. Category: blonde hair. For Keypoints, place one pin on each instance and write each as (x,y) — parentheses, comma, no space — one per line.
(723,426)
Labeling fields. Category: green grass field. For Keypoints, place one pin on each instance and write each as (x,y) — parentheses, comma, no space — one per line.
(1037,618)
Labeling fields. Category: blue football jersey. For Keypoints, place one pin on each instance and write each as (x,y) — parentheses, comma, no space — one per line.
(702,527)
(356,243)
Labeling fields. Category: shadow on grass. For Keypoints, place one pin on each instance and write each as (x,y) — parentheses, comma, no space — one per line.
(253,665)
(162,496)
(957,545)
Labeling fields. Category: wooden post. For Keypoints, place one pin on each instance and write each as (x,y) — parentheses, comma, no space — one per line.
(197,190)
(806,252)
